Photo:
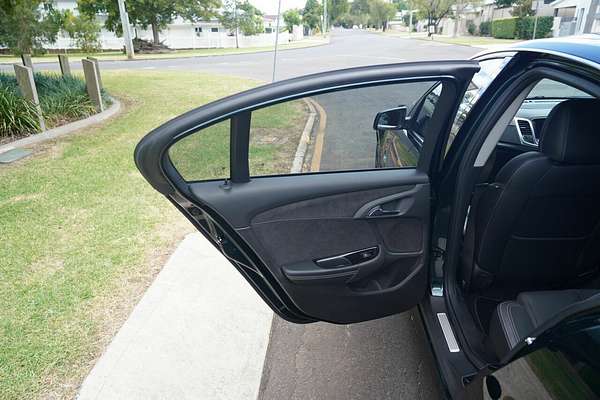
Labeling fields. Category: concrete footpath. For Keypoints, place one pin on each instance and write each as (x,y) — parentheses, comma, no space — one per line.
(199,332)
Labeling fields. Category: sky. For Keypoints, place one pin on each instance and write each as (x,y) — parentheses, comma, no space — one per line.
(270,6)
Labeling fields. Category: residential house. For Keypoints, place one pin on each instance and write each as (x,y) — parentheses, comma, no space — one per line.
(183,34)
(572,17)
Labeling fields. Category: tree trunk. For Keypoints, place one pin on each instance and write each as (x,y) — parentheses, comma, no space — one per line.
(155,33)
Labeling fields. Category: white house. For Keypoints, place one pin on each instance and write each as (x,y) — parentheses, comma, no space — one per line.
(572,17)
(182,34)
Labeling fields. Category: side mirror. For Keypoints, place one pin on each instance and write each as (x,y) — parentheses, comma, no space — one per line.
(394,118)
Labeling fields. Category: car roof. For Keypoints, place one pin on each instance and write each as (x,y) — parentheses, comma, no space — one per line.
(583,48)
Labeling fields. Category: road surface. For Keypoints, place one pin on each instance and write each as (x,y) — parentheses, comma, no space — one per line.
(347,49)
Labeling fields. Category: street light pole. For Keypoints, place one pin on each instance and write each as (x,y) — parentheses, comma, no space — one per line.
(126,30)
(276,41)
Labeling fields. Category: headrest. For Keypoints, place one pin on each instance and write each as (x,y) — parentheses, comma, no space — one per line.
(571,132)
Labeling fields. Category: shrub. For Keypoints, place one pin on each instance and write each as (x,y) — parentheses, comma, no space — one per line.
(17,115)
(504,28)
(62,99)
(484,28)
(471,28)
(525,26)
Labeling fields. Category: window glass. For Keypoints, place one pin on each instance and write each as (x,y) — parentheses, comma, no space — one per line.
(203,155)
(526,127)
(354,129)
(481,80)
(570,369)
(335,131)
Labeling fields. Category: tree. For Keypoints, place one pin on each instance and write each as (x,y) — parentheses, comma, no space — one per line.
(380,12)
(401,5)
(83,30)
(156,14)
(522,8)
(434,11)
(312,13)
(242,16)
(360,7)
(292,18)
(27,25)
(337,8)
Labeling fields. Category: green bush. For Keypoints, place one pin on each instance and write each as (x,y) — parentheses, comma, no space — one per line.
(525,27)
(504,28)
(471,28)
(62,99)
(485,28)
(17,115)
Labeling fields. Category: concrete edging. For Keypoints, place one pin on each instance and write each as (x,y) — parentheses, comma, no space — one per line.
(63,130)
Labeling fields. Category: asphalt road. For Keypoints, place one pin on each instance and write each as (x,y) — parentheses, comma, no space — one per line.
(383,359)
(347,49)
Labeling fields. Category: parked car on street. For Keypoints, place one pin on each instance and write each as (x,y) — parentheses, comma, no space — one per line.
(468,188)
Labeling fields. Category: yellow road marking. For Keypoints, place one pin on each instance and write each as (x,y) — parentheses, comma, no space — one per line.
(315,164)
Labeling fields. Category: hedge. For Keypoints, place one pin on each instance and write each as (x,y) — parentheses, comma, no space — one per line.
(485,28)
(504,28)
(525,27)
(62,99)
(521,28)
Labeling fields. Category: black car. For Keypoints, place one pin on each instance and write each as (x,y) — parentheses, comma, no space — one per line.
(467,188)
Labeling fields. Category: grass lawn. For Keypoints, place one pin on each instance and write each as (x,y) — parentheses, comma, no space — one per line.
(474,40)
(83,235)
(461,40)
(117,55)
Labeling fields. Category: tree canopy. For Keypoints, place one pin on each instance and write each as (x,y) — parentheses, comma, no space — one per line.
(291,18)
(27,25)
(156,14)
(243,16)
(433,10)
(312,13)
(380,12)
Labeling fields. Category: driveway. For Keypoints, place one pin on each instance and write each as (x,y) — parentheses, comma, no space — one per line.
(382,359)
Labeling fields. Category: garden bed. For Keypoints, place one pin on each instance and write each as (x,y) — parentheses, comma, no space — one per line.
(62,100)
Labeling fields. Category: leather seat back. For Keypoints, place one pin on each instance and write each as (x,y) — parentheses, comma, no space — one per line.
(539,223)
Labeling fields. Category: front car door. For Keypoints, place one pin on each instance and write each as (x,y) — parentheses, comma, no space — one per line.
(283,180)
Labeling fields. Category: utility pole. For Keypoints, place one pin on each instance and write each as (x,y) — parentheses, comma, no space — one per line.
(457,17)
(276,40)
(237,23)
(126,30)
(324,16)
(410,14)
(535,21)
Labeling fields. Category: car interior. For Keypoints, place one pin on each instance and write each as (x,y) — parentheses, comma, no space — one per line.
(531,244)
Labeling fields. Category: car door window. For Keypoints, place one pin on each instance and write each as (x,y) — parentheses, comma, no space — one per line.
(526,128)
(325,132)
(569,368)
(490,68)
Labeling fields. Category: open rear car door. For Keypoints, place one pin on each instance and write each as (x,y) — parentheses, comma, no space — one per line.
(299,208)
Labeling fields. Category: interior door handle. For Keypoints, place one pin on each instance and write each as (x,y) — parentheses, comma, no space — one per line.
(335,270)
(378,211)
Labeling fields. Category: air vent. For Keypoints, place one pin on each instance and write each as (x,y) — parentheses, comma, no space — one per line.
(525,131)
